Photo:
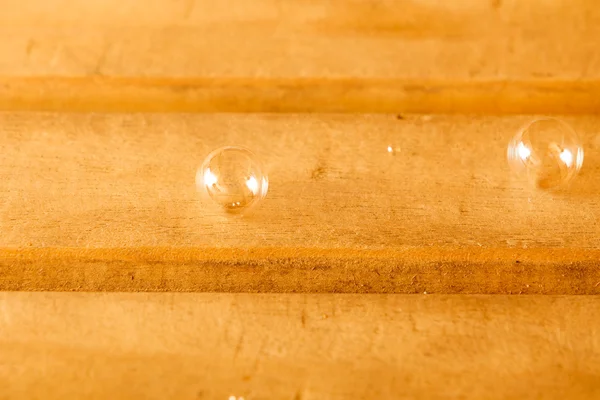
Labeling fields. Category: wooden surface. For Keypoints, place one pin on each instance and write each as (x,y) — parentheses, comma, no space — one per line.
(213,346)
(96,201)
(496,56)
(108,202)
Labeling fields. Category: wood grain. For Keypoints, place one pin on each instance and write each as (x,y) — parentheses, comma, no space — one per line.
(128,180)
(213,346)
(430,56)
(108,202)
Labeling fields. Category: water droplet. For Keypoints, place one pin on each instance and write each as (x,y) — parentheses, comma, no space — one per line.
(548,152)
(234,178)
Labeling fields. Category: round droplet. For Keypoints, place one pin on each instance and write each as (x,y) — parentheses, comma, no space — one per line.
(548,152)
(234,178)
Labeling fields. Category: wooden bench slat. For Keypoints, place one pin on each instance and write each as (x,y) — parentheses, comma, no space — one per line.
(464,56)
(83,193)
(207,346)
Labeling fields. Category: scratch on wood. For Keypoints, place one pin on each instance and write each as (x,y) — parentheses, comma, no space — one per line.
(189,8)
(413,323)
(30,46)
(102,60)
(319,172)
(259,353)
(58,51)
(238,347)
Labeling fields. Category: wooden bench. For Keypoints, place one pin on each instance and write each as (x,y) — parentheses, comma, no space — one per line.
(409,268)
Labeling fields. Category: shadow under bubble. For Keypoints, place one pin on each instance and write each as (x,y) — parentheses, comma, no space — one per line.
(587,182)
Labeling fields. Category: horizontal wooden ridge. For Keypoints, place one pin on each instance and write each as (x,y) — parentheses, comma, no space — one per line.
(365,95)
(431,270)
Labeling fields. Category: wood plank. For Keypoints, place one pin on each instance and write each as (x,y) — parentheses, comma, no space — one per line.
(128,180)
(503,56)
(470,39)
(213,346)
(108,202)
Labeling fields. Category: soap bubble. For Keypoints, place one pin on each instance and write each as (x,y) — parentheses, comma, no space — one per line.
(234,178)
(548,152)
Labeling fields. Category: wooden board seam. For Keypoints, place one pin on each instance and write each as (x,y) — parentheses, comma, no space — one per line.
(411,270)
(353,95)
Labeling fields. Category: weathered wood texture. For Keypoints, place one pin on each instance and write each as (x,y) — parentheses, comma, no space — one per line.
(499,56)
(213,346)
(108,202)
(416,270)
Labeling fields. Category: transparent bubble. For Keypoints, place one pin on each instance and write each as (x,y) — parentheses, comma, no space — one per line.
(548,152)
(234,178)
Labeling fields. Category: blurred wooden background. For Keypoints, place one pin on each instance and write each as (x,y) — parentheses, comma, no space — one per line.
(507,56)
(108,108)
